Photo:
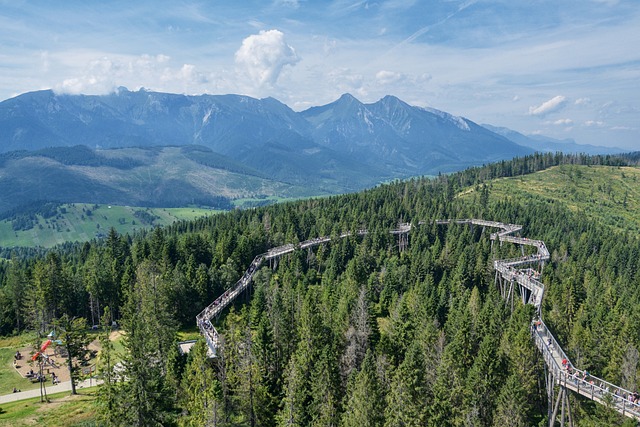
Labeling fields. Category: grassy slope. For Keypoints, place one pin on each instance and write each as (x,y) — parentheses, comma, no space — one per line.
(62,410)
(76,225)
(608,194)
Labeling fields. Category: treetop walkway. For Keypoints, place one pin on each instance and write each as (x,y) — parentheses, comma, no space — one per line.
(214,309)
(513,276)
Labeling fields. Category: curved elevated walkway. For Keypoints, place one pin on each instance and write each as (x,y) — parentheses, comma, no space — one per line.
(561,371)
(513,276)
(214,309)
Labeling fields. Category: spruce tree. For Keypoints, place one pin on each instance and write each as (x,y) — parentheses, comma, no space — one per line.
(408,399)
(74,337)
(107,397)
(149,331)
(365,403)
(201,390)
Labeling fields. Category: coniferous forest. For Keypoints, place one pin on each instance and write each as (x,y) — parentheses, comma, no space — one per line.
(355,332)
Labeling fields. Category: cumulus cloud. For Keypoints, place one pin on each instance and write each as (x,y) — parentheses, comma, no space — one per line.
(99,77)
(262,56)
(554,104)
(345,80)
(104,75)
(385,77)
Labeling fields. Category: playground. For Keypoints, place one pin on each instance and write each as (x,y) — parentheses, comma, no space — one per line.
(54,360)
(21,373)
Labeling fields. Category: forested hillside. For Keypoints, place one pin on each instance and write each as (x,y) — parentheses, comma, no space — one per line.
(356,332)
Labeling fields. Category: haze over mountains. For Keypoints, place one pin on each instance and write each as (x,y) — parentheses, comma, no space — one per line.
(260,146)
(546,144)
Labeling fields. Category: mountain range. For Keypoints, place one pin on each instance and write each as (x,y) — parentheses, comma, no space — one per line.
(343,146)
(547,144)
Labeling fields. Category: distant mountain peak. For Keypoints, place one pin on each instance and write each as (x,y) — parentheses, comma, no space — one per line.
(347,102)
(347,97)
(390,99)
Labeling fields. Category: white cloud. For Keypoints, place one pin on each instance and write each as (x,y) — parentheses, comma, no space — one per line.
(345,80)
(582,101)
(554,104)
(262,56)
(384,77)
(591,123)
(287,3)
(99,77)
(623,128)
(562,122)
(103,75)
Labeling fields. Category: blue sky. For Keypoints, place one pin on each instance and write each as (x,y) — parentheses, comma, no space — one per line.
(566,69)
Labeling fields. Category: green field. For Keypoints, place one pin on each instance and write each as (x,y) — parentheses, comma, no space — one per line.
(608,194)
(79,222)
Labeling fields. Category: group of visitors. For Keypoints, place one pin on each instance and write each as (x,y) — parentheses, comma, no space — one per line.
(36,377)
(634,398)
(584,377)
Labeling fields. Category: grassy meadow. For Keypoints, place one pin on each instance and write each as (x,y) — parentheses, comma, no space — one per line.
(82,222)
(608,194)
